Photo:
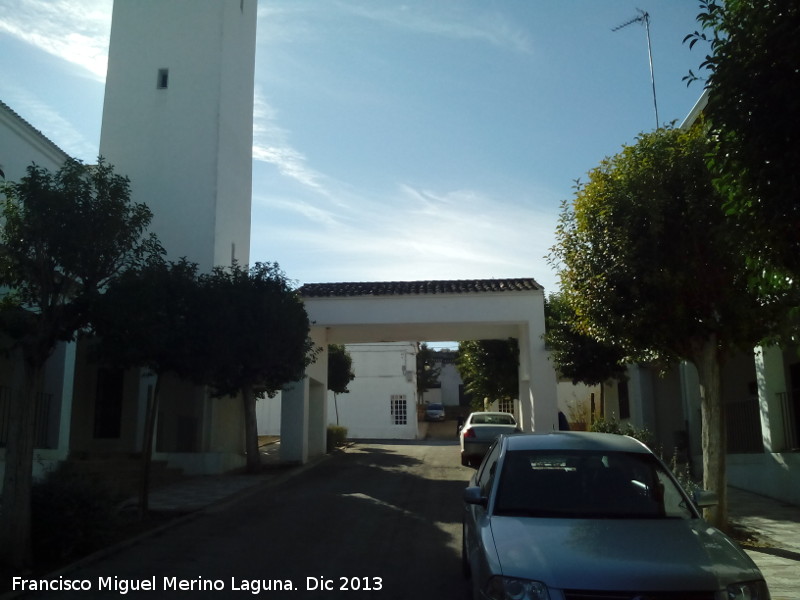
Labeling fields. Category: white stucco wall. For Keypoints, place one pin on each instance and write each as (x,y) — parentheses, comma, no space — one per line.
(21,145)
(382,370)
(450,379)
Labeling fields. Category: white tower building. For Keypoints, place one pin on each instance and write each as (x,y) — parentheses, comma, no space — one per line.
(178,120)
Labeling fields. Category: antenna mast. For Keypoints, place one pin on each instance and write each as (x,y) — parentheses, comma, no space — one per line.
(644,17)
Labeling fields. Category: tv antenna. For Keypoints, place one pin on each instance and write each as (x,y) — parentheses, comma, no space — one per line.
(644,17)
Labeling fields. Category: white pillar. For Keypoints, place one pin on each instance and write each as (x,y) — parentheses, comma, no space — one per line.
(66,399)
(690,396)
(771,379)
(538,383)
(640,386)
(317,419)
(294,422)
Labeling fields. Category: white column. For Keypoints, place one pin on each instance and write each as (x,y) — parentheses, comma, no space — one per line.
(317,419)
(690,396)
(538,383)
(771,379)
(66,395)
(640,386)
(294,422)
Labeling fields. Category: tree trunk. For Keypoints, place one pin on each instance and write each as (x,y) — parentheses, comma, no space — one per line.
(147,448)
(15,529)
(714,437)
(336,406)
(251,430)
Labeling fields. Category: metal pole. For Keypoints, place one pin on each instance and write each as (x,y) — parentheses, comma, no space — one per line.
(650,54)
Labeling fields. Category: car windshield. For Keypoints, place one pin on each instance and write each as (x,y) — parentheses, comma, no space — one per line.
(586,485)
(489,419)
(435,407)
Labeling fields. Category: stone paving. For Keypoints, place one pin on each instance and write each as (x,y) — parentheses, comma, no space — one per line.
(776,551)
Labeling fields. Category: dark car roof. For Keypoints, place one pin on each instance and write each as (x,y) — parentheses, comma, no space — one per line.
(575,440)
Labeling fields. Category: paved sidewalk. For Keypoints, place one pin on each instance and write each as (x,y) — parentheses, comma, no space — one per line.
(201,491)
(777,549)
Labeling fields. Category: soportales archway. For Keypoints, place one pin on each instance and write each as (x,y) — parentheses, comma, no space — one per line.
(364,312)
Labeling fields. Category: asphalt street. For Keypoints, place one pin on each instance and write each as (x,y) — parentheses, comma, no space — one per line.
(379,521)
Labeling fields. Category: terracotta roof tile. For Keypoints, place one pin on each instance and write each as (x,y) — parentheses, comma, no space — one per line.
(399,288)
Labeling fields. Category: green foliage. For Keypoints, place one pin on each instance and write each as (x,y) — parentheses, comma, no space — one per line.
(647,259)
(72,515)
(753,103)
(683,474)
(64,237)
(603,425)
(427,369)
(489,368)
(578,357)
(340,369)
(257,330)
(149,318)
(337,437)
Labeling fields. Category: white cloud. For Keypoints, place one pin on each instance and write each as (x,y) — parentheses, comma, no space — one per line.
(411,234)
(74,30)
(492,28)
(50,121)
(271,145)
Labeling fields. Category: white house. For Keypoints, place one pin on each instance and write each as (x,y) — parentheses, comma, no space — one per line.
(20,145)
(381,400)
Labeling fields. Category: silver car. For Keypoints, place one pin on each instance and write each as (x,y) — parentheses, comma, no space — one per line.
(573,515)
(479,431)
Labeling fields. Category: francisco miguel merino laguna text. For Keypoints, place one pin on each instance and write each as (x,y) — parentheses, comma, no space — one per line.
(253,586)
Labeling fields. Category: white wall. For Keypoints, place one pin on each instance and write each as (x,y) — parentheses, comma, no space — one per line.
(382,370)
(21,145)
(450,379)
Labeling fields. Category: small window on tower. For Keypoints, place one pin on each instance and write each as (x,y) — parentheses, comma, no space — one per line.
(163,79)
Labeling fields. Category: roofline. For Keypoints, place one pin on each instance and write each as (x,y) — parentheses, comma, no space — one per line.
(46,141)
(696,111)
(418,288)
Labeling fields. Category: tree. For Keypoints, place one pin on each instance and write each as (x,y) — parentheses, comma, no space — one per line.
(577,356)
(148,318)
(427,370)
(340,372)
(489,368)
(649,263)
(64,237)
(753,103)
(257,333)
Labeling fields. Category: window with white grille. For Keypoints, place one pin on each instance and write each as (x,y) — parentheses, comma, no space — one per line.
(506,406)
(399,408)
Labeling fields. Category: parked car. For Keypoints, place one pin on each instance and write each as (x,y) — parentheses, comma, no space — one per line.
(568,515)
(479,431)
(434,412)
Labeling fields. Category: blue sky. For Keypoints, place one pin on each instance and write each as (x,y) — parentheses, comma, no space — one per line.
(426,139)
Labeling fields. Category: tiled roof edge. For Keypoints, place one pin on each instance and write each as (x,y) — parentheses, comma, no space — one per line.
(399,288)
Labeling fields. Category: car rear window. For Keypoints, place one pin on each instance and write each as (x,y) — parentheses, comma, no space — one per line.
(493,420)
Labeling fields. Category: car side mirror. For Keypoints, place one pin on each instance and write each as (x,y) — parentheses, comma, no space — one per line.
(473,495)
(705,499)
